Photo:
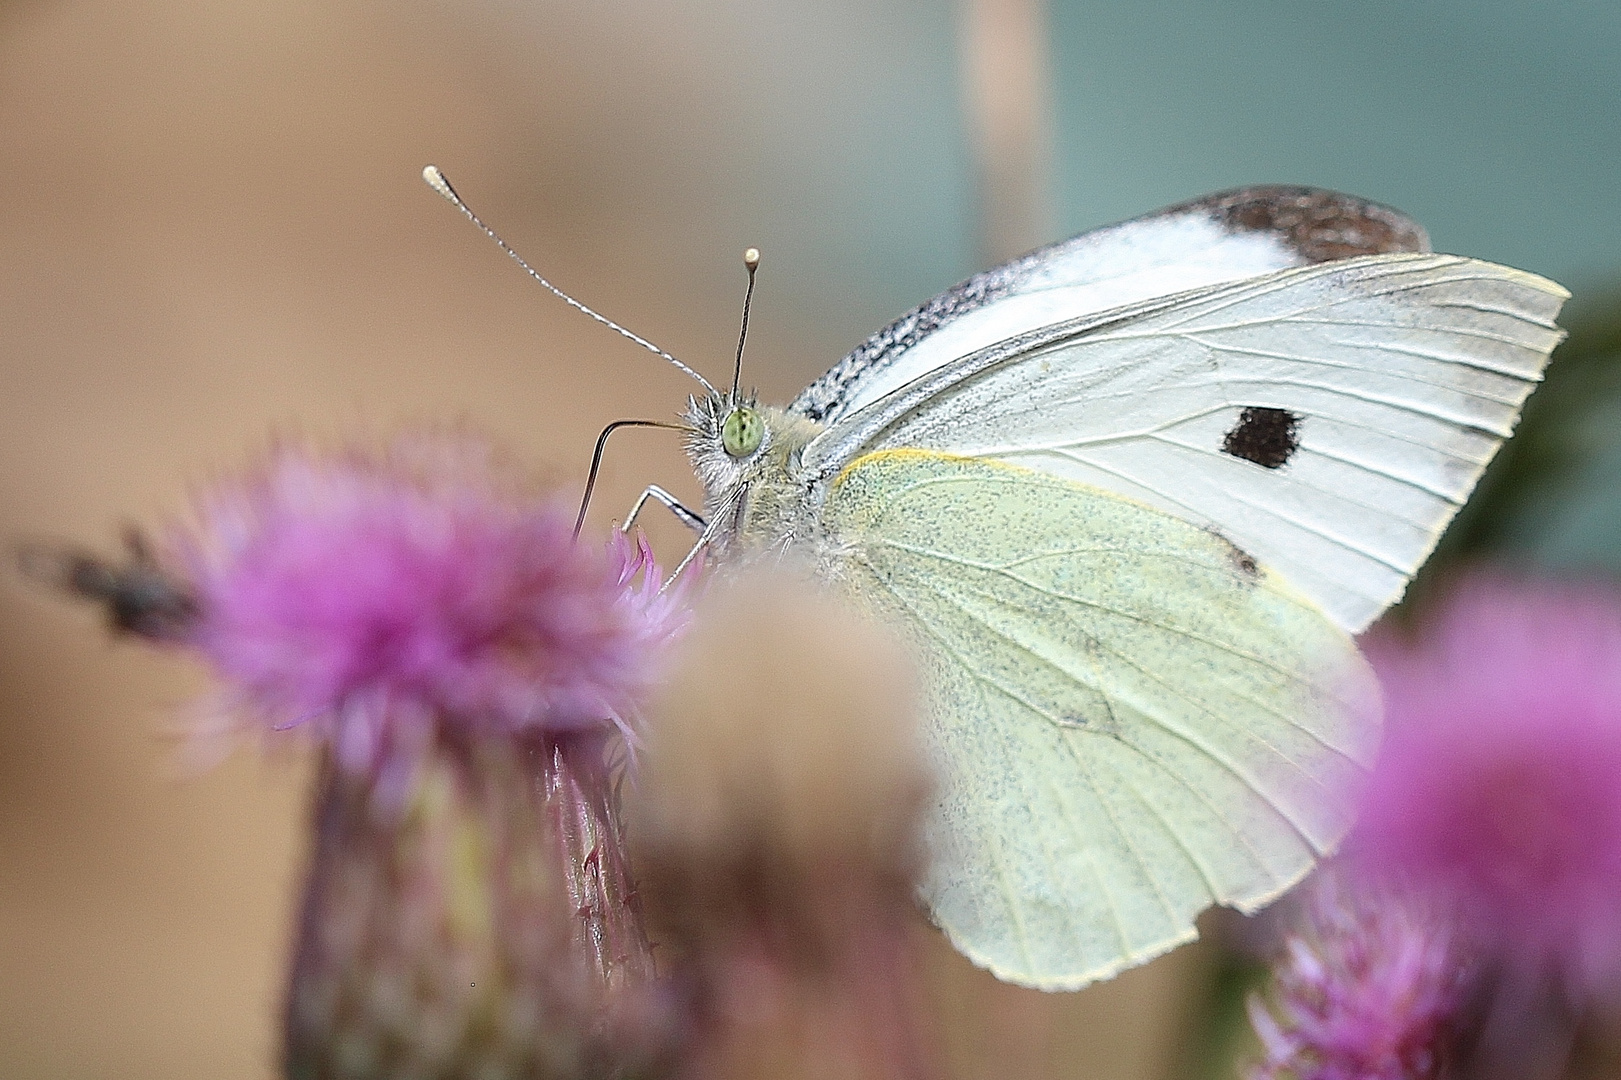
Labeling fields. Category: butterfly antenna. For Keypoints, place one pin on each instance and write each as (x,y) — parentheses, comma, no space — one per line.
(596,460)
(437,181)
(751,263)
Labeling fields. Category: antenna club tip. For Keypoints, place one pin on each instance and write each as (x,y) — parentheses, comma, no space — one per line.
(751,258)
(436,180)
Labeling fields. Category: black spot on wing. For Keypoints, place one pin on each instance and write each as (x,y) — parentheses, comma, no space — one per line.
(1268,437)
(1319,225)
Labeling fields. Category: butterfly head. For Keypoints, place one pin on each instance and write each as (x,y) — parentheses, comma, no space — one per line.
(747,456)
(728,434)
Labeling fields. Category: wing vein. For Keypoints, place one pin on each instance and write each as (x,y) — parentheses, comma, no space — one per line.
(1125,838)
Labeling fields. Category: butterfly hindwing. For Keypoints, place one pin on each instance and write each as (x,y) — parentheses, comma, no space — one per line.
(1328,419)
(1131,719)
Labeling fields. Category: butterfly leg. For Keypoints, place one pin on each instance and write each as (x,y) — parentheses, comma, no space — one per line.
(691,520)
(697,547)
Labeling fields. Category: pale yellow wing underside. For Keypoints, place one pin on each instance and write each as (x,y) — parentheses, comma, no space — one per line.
(1130,719)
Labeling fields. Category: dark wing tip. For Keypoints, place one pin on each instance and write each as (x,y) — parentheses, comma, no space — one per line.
(1320,225)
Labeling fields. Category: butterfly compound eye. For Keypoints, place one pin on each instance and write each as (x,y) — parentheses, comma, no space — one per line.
(741,432)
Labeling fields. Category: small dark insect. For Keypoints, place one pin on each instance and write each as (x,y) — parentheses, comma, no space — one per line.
(1269,437)
(139,596)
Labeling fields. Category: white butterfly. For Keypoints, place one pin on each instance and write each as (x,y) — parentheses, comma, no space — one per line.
(1130,495)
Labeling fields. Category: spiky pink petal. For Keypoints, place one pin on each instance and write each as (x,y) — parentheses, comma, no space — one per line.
(1366,990)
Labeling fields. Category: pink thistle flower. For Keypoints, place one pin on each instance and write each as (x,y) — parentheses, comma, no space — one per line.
(1500,784)
(468,908)
(379,598)
(1368,991)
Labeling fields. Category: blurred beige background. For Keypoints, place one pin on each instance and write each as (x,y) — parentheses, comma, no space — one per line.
(213,233)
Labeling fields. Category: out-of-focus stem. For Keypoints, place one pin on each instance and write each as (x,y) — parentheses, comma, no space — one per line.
(1007,99)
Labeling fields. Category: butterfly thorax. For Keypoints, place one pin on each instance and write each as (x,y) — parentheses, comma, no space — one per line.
(756,494)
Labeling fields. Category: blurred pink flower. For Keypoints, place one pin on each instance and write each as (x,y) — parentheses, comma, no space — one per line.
(1500,784)
(381,597)
(1366,991)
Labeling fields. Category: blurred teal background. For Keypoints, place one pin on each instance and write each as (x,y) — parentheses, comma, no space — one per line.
(214,232)
(1493,123)
(834,133)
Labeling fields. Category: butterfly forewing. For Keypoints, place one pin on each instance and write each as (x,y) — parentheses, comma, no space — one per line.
(1328,420)
(1223,237)
(1130,720)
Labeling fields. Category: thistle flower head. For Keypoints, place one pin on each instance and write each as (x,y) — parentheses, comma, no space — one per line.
(1366,990)
(1500,784)
(375,596)
(777,817)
